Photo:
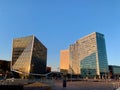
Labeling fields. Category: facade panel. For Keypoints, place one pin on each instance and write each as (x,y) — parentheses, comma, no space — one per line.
(74,61)
(64,61)
(39,57)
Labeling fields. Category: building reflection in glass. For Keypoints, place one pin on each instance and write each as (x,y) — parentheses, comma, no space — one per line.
(29,55)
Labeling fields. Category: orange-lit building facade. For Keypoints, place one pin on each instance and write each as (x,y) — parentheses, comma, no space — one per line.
(74,60)
(64,61)
(69,62)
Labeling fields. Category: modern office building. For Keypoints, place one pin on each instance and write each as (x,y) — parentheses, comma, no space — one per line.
(48,70)
(4,67)
(92,54)
(87,56)
(29,56)
(114,71)
(64,61)
(74,59)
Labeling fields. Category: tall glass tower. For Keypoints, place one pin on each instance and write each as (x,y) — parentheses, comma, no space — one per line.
(92,55)
(29,55)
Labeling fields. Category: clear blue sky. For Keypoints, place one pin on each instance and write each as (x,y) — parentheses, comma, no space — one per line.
(59,23)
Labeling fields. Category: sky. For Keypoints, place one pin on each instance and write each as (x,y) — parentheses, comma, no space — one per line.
(59,23)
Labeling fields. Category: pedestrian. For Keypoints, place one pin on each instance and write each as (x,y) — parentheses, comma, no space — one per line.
(64,81)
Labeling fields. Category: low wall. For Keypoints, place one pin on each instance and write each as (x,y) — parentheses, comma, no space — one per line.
(11,87)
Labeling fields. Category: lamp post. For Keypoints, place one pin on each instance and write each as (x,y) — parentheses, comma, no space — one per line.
(71,70)
(58,69)
(58,72)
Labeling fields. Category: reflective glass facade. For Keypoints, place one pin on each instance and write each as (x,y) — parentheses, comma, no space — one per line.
(29,55)
(101,54)
(115,70)
(88,65)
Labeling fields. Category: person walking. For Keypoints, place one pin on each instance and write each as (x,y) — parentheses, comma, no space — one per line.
(64,82)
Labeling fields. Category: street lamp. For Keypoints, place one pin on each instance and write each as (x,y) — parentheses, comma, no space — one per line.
(58,69)
(71,70)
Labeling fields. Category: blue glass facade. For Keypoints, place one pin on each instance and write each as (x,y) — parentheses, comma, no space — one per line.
(102,56)
(88,65)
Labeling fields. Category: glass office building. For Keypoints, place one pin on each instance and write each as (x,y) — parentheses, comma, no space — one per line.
(4,66)
(29,55)
(92,55)
(87,56)
(114,71)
